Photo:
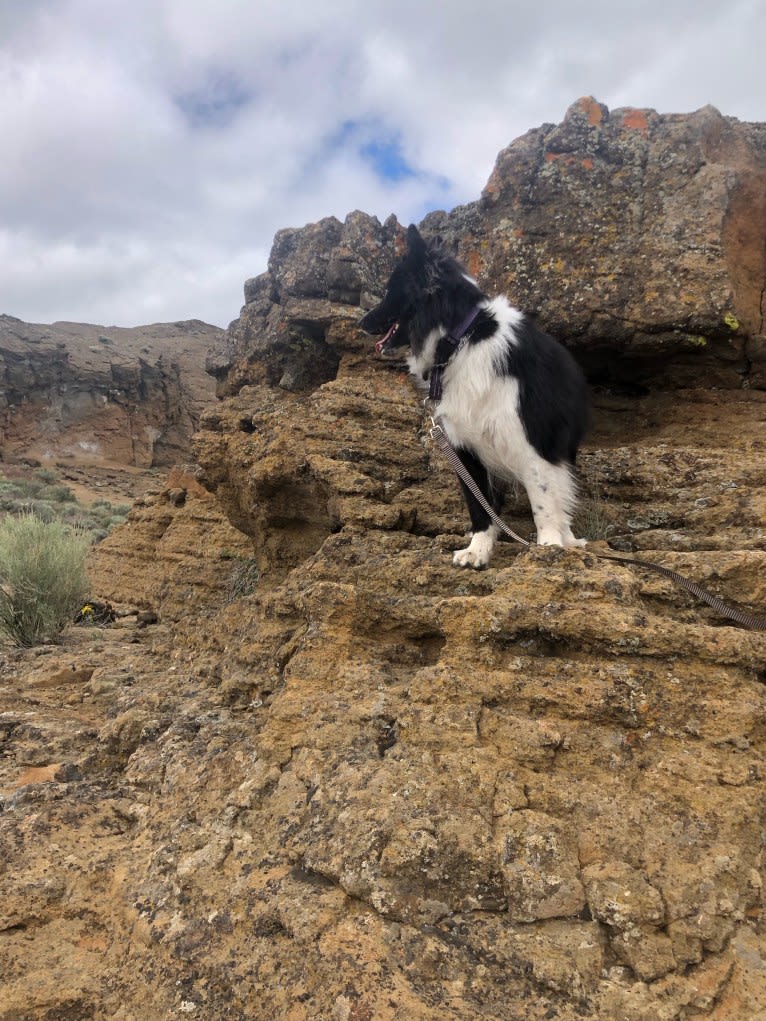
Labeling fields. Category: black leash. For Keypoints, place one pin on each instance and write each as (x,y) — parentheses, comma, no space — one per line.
(748,620)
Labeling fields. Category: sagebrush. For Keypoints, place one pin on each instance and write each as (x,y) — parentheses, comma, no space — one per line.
(44,494)
(43,582)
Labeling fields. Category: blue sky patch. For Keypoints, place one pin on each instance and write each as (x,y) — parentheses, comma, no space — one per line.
(387,159)
(379,150)
(216,103)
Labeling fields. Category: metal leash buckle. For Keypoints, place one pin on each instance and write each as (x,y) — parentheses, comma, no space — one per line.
(435,430)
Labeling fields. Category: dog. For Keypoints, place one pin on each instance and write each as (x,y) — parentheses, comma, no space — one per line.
(512,401)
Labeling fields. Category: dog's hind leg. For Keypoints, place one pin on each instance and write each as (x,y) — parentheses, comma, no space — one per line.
(552,494)
(477,554)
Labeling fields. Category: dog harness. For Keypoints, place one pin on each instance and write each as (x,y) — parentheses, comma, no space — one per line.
(448,346)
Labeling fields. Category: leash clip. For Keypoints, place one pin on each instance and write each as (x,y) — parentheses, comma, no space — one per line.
(435,430)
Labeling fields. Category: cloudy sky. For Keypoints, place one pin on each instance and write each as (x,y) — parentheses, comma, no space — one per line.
(149,149)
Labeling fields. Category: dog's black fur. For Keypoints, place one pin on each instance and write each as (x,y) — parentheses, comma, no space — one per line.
(514,401)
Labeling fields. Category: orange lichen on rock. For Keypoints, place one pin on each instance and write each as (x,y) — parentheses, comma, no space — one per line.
(473,262)
(636,120)
(592,109)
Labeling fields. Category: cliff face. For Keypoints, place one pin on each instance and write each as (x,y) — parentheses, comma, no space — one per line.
(380,787)
(98,394)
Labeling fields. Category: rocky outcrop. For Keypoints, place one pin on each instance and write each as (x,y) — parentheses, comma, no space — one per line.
(637,232)
(72,391)
(375,786)
(184,557)
(298,316)
(381,787)
(635,237)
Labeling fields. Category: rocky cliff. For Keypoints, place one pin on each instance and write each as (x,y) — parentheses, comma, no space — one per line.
(340,779)
(636,238)
(76,392)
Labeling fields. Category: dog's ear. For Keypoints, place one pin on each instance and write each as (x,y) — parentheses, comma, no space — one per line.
(416,246)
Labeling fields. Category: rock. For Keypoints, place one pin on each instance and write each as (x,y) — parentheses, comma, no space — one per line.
(619,896)
(295,323)
(73,675)
(634,237)
(626,231)
(133,398)
(173,559)
(540,867)
(360,783)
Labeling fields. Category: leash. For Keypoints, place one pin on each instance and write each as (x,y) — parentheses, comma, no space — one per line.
(748,620)
(439,437)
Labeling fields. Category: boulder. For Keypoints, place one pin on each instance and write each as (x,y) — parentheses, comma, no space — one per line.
(636,238)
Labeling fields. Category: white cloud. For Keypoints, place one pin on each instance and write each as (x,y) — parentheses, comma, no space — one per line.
(151,148)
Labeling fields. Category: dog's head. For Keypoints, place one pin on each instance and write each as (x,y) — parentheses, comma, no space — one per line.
(393,317)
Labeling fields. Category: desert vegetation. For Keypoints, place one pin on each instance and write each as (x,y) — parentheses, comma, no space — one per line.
(45,535)
(42,492)
(42,577)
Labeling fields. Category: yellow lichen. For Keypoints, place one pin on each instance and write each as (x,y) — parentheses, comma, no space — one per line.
(731,321)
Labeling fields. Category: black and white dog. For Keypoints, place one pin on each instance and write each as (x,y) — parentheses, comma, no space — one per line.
(512,401)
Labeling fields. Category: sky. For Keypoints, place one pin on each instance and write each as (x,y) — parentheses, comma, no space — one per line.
(150,149)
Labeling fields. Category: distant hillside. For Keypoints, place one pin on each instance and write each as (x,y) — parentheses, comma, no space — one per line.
(105,395)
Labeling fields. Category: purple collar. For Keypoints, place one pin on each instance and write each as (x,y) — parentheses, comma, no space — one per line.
(450,344)
(459,334)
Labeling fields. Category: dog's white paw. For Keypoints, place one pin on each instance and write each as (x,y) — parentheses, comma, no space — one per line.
(467,558)
(556,537)
(478,552)
(568,539)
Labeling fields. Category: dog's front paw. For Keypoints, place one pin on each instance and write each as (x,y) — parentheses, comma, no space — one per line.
(468,558)
(479,551)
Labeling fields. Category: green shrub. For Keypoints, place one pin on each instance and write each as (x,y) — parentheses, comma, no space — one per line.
(56,494)
(42,578)
(47,475)
(26,489)
(42,510)
(52,500)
